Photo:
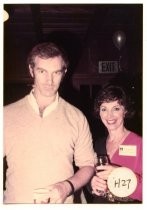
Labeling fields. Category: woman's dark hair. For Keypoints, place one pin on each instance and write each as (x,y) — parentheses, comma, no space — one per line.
(47,50)
(111,93)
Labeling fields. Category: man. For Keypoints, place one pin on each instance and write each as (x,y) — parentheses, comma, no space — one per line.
(44,134)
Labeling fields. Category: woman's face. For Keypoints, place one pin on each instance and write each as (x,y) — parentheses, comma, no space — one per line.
(112,115)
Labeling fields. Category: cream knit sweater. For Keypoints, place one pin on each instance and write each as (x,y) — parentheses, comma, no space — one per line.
(40,151)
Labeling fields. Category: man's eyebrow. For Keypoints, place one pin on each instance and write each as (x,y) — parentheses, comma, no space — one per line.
(40,68)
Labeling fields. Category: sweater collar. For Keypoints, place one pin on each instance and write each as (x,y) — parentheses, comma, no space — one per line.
(47,110)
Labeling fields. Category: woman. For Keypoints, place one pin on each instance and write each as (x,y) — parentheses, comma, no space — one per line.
(113,106)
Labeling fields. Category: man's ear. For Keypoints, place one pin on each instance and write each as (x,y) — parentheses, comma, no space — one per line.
(64,72)
(31,71)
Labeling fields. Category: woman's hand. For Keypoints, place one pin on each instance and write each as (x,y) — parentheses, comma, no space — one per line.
(104,171)
(99,181)
(98,185)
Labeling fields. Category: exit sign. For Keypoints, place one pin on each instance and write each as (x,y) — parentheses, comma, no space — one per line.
(108,67)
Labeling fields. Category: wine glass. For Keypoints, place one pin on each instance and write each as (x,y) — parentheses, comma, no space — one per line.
(41,195)
(102,160)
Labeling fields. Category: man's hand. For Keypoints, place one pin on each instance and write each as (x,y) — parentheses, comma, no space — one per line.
(56,193)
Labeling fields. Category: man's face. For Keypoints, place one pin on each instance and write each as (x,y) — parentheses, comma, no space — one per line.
(47,74)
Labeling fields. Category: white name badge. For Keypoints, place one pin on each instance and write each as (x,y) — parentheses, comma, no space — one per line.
(122,182)
(127,150)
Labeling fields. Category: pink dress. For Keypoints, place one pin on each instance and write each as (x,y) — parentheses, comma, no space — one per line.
(134,162)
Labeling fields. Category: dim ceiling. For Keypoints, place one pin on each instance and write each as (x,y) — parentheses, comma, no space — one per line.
(37,21)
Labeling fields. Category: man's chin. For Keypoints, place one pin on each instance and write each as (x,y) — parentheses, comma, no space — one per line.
(49,94)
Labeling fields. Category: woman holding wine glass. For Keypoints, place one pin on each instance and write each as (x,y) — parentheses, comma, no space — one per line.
(113,106)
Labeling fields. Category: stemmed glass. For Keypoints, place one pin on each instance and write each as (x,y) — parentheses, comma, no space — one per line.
(102,160)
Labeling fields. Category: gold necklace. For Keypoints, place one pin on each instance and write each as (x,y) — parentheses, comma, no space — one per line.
(112,145)
(120,138)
